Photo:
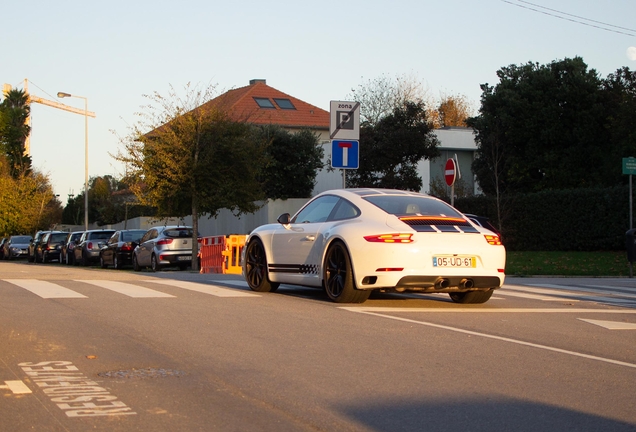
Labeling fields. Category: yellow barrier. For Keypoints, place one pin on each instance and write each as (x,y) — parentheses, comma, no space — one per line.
(222,254)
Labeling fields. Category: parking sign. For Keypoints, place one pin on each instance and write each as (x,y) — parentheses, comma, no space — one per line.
(344,122)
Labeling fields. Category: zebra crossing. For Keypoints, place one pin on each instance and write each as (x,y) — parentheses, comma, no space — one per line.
(603,294)
(46,289)
(55,290)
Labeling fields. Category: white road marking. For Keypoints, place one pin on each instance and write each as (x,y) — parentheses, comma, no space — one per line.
(127,289)
(590,290)
(17,387)
(478,310)
(570,293)
(45,289)
(204,288)
(508,292)
(238,283)
(489,336)
(611,325)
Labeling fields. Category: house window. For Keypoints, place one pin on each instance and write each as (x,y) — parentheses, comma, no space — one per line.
(264,102)
(284,104)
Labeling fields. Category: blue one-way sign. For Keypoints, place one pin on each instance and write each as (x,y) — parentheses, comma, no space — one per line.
(345,154)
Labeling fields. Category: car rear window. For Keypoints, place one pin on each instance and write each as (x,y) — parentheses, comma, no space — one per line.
(101,235)
(20,239)
(178,232)
(132,236)
(58,237)
(412,205)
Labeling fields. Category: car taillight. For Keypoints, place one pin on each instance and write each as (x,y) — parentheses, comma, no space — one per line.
(126,247)
(164,242)
(90,245)
(390,238)
(493,240)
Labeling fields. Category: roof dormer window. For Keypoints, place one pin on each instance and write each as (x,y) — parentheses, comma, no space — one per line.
(284,104)
(264,102)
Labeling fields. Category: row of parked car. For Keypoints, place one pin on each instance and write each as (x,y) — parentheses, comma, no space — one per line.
(155,248)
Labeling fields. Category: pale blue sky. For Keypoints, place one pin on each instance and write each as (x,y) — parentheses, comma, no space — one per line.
(114,52)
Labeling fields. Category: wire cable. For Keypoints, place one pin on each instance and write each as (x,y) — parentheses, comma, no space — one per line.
(577,21)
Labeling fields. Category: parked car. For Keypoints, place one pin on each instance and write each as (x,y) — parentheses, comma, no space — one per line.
(2,243)
(164,246)
(118,251)
(89,245)
(484,222)
(16,247)
(50,248)
(354,241)
(37,238)
(67,248)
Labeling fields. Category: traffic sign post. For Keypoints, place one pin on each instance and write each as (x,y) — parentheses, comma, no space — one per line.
(629,168)
(450,175)
(344,132)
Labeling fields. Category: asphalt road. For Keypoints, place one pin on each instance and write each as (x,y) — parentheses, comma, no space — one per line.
(105,350)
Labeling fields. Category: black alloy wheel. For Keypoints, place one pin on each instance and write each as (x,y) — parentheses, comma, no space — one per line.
(256,268)
(338,276)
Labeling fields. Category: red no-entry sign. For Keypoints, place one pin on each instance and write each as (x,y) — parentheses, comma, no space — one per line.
(450,172)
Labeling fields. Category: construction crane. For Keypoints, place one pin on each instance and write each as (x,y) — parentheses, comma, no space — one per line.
(31,98)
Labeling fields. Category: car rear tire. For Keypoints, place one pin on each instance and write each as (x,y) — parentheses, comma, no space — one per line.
(338,276)
(256,273)
(85,261)
(471,297)
(154,265)
(136,266)
(116,262)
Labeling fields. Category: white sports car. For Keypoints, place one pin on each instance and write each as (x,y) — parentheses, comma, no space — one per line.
(353,241)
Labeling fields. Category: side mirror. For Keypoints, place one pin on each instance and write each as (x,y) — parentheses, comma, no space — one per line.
(284,218)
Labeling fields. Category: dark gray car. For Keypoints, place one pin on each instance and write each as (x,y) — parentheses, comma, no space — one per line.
(89,245)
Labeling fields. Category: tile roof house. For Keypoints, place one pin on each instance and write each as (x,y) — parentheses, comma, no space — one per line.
(261,104)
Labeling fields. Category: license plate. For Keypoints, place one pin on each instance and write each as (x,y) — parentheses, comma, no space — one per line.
(455,261)
(184,258)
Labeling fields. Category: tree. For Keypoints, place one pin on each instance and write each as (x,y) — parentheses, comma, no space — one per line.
(293,159)
(379,97)
(452,111)
(391,150)
(541,127)
(184,160)
(27,204)
(14,130)
(619,90)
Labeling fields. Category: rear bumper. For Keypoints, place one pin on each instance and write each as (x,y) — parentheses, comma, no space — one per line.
(175,258)
(448,283)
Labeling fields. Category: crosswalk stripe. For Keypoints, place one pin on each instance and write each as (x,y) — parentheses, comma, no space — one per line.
(205,288)
(45,289)
(127,289)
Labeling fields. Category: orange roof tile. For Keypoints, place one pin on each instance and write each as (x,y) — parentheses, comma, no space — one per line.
(240,105)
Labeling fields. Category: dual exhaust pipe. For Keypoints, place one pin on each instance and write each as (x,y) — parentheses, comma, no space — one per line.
(443,283)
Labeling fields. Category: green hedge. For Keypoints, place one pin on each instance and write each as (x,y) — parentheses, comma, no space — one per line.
(561,220)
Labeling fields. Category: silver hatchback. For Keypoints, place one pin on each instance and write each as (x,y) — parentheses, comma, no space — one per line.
(163,247)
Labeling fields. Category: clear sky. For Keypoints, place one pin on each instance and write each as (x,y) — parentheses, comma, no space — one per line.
(114,52)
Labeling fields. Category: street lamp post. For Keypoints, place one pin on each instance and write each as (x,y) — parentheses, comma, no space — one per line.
(63,95)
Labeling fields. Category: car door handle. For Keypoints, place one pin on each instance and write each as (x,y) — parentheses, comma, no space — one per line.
(310,238)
